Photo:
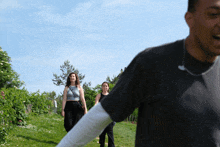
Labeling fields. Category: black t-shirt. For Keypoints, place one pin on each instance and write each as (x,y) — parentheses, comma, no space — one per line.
(176,108)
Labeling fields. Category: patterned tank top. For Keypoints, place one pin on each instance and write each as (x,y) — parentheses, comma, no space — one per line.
(73,93)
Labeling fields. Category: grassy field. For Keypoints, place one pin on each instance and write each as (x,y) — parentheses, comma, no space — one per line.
(48,130)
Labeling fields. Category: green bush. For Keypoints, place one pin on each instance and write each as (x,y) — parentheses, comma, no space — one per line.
(134,116)
(3,135)
(13,108)
(59,100)
(90,95)
(14,105)
(40,103)
(7,117)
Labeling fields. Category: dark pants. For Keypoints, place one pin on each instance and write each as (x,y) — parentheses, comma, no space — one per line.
(72,114)
(109,131)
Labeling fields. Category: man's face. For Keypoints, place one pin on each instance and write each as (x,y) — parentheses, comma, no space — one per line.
(205,26)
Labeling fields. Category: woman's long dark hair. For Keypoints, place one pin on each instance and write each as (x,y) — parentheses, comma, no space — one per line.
(68,79)
(107,84)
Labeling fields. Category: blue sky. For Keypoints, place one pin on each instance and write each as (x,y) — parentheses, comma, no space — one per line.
(98,37)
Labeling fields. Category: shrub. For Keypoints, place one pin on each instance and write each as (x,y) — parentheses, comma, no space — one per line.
(7,117)
(13,108)
(133,117)
(3,134)
(40,103)
(90,95)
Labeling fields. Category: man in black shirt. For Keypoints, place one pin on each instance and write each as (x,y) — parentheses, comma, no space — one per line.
(176,87)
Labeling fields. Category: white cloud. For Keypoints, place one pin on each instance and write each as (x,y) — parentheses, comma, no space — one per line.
(90,16)
(73,18)
(96,37)
(5,4)
(119,2)
(87,16)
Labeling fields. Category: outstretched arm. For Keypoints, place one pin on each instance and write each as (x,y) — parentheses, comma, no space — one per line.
(89,126)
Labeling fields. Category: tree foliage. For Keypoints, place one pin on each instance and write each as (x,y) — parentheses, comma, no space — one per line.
(115,79)
(51,95)
(90,94)
(66,69)
(8,77)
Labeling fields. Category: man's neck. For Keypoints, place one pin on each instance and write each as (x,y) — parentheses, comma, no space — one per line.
(197,52)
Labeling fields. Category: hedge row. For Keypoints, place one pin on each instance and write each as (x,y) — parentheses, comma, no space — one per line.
(15,106)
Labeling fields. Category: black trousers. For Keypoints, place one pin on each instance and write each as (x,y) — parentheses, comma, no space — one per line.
(109,131)
(72,114)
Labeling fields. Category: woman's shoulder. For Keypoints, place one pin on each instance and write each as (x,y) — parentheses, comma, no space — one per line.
(98,96)
(66,88)
(79,87)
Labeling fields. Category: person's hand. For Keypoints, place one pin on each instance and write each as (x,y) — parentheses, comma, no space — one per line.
(63,113)
(85,111)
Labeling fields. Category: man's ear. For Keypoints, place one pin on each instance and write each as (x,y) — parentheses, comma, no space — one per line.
(189,18)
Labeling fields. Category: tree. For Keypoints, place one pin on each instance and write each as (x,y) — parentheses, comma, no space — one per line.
(115,78)
(8,77)
(52,95)
(66,68)
(90,94)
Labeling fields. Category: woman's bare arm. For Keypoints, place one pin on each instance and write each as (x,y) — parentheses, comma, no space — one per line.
(64,101)
(97,98)
(81,91)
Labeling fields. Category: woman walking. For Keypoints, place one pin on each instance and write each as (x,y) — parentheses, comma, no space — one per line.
(71,107)
(109,128)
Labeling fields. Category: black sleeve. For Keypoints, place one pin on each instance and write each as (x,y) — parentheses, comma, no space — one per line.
(128,92)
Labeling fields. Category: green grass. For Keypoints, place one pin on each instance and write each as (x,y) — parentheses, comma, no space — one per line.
(124,135)
(48,130)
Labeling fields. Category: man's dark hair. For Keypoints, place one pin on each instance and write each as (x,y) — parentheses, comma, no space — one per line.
(192,5)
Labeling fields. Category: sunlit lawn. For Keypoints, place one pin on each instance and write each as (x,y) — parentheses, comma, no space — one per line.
(48,130)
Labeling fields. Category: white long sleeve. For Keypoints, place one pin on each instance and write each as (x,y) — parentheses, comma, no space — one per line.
(89,126)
